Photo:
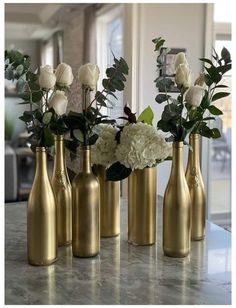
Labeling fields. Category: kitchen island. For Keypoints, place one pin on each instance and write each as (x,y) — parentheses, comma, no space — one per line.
(121,274)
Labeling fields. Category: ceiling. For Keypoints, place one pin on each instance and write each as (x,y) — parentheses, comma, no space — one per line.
(29,21)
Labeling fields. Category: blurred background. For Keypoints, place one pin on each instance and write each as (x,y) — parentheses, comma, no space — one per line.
(78,33)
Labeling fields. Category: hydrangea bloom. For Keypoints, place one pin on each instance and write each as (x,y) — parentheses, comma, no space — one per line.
(141,145)
(103,151)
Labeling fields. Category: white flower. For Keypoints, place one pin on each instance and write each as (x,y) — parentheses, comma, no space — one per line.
(88,75)
(103,151)
(183,76)
(141,145)
(47,78)
(59,102)
(64,74)
(179,59)
(194,95)
(200,81)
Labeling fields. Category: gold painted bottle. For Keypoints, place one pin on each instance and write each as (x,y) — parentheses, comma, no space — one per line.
(197,191)
(62,188)
(176,209)
(41,216)
(142,207)
(109,205)
(85,210)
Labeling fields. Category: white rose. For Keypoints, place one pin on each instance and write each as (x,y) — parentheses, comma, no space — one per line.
(88,75)
(59,102)
(64,74)
(194,95)
(47,78)
(183,76)
(180,59)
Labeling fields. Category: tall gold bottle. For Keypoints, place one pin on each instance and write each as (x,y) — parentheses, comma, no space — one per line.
(142,207)
(62,188)
(176,209)
(85,210)
(109,205)
(41,216)
(197,191)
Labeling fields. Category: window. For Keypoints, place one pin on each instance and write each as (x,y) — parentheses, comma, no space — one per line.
(220,149)
(109,42)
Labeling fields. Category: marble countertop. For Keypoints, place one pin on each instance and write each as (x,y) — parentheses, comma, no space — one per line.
(121,274)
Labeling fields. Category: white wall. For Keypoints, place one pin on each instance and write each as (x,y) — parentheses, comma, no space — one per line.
(183,26)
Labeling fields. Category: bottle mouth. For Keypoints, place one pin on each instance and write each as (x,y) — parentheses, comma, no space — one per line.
(40,149)
(58,137)
(178,144)
(194,136)
(85,147)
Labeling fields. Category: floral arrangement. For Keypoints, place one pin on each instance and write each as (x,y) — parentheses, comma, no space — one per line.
(103,151)
(139,145)
(83,125)
(189,113)
(44,91)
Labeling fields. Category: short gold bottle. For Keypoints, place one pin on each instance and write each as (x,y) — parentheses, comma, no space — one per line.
(197,191)
(62,188)
(109,205)
(41,216)
(85,210)
(176,209)
(142,206)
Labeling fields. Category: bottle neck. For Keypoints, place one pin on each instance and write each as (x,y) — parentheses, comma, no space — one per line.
(59,159)
(177,159)
(86,162)
(41,161)
(194,152)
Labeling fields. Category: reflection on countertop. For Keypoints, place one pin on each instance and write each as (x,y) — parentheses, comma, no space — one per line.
(121,274)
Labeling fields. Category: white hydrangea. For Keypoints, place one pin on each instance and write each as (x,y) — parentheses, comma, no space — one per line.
(141,145)
(103,151)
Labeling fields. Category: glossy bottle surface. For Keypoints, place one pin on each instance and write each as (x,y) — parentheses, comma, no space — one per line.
(142,207)
(109,205)
(62,188)
(85,210)
(176,209)
(41,216)
(197,190)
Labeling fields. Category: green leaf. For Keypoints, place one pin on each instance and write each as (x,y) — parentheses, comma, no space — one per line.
(47,117)
(214,110)
(165,126)
(164,84)
(47,137)
(78,135)
(224,68)
(34,86)
(225,54)
(118,84)
(37,96)
(159,42)
(206,60)
(220,95)
(214,74)
(160,98)
(215,133)
(146,116)
(117,172)
(19,70)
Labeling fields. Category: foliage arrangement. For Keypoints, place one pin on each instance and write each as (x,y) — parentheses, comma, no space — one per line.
(189,113)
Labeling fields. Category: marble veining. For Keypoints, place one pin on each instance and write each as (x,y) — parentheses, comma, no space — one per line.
(121,274)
